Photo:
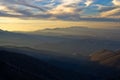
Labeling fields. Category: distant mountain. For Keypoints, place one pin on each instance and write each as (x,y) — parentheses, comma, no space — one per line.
(1,30)
(81,32)
(68,45)
(107,57)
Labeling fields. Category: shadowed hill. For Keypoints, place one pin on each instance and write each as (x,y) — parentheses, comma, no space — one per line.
(17,66)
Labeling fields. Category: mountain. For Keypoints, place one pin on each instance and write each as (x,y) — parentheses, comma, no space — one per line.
(107,57)
(59,54)
(19,66)
(83,32)
(65,45)
(24,65)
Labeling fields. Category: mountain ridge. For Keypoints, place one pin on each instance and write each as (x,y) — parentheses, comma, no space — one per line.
(19,66)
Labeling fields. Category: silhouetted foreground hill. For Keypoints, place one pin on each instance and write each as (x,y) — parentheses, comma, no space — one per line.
(107,57)
(16,66)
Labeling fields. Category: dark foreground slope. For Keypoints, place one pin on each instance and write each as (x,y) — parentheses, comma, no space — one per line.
(20,66)
(16,66)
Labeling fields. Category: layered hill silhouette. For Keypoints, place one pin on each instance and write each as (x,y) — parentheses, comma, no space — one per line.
(17,66)
(84,32)
(66,41)
(107,57)
(59,54)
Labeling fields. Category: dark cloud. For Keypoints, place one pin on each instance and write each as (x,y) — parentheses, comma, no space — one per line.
(107,8)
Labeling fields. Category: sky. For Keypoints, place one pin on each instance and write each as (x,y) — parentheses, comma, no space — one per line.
(30,15)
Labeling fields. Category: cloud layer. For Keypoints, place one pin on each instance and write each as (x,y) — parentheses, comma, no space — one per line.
(75,10)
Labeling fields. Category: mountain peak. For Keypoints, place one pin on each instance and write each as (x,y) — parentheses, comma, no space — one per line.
(1,30)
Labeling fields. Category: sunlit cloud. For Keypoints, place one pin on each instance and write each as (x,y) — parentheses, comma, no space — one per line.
(89,2)
(114,12)
(70,10)
(116,2)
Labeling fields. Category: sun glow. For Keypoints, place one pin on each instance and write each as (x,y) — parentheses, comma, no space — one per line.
(14,24)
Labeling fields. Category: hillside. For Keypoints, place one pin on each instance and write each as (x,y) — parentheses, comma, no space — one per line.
(107,57)
(17,66)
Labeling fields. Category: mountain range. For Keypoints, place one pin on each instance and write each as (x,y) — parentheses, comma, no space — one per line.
(66,41)
(79,32)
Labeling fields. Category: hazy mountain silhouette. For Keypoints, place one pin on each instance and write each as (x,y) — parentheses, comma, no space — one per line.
(60,54)
(81,32)
(65,45)
(107,57)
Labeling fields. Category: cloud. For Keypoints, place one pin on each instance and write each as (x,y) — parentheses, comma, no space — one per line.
(116,2)
(89,2)
(68,2)
(66,7)
(113,12)
(62,9)
(27,3)
(110,11)
(102,8)
(75,10)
